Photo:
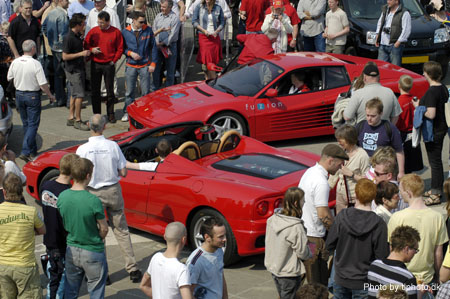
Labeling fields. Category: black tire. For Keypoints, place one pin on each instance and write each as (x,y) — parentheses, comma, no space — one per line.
(350,51)
(49,176)
(230,254)
(218,121)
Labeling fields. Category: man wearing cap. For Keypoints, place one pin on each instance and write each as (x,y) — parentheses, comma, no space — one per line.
(393,30)
(317,217)
(356,108)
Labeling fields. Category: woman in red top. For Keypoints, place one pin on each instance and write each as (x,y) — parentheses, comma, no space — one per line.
(405,125)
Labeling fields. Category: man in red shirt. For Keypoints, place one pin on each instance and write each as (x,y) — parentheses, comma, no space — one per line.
(256,45)
(252,11)
(106,44)
(290,11)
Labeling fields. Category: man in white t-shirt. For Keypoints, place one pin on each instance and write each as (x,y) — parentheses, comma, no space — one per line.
(166,277)
(336,29)
(109,166)
(317,217)
(205,264)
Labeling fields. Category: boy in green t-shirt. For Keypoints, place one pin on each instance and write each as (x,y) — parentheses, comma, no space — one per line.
(85,222)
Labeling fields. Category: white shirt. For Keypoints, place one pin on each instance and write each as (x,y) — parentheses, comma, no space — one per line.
(314,183)
(11,167)
(206,271)
(222,3)
(167,275)
(92,18)
(107,158)
(406,27)
(27,73)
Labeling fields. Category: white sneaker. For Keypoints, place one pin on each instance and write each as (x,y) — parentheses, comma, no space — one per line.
(125,117)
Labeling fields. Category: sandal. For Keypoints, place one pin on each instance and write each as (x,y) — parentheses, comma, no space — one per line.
(427,194)
(432,199)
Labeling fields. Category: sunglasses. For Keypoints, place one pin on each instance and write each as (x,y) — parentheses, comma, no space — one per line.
(380,173)
(141,22)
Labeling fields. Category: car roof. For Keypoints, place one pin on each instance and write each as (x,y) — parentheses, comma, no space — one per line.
(295,59)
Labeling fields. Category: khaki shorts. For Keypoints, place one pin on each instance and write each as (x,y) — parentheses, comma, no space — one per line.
(20,282)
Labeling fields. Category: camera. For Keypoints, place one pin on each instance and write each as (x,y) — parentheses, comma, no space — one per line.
(275,16)
(387,30)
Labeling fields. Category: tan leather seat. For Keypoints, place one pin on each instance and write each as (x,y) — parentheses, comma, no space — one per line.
(229,141)
(188,150)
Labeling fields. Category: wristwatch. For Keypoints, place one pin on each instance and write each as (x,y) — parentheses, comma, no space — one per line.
(294,38)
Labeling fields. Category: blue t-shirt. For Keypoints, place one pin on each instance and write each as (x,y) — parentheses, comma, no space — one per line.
(370,138)
(77,7)
(206,271)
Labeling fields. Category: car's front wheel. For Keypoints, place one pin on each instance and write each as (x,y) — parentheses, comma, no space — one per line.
(196,239)
(226,121)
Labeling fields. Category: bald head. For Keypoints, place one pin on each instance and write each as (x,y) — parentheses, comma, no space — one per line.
(97,123)
(174,232)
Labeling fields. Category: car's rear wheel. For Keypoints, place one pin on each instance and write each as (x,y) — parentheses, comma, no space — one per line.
(226,121)
(196,239)
(49,176)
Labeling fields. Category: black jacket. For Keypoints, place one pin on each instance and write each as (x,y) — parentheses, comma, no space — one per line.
(359,237)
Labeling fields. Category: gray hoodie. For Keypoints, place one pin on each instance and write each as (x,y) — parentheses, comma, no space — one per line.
(286,246)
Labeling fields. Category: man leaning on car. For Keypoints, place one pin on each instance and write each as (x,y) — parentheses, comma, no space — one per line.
(393,30)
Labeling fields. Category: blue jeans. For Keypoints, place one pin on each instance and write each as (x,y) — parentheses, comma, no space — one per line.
(81,262)
(60,79)
(391,54)
(314,43)
(29,105)
(171,63)
(131,75)
(341,292)
(56,275)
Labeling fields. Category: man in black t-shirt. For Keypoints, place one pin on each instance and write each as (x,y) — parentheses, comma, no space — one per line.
(55,237)
(22,28)
(74,67)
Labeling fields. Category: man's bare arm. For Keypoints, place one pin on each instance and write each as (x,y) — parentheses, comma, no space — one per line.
(13,47)
(325,216)
(186,292)
(146,285)
(438,258)
(102,228)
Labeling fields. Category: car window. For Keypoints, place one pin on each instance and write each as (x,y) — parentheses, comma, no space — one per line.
(248,79)
(371,9)
(336,77)
(311,78)
(262,166)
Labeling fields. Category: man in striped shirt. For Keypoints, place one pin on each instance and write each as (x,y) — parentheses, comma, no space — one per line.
(392,270)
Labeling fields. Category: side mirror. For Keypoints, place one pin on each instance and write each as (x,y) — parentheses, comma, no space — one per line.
(271,93)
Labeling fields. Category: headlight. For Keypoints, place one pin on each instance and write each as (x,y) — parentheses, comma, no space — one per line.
(440,35)
(371,37)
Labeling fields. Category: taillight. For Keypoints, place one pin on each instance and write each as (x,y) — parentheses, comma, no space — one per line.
(262,207)
(278,203)
(4,108)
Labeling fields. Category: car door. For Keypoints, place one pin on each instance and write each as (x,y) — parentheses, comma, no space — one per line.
(135,191)
(304,114)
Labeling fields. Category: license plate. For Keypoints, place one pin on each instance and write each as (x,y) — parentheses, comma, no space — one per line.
(415,59)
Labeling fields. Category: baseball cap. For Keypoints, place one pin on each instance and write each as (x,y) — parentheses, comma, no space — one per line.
(371,70)
(335,151)
(277,4)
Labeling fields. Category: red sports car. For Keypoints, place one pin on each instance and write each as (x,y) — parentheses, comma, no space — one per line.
(254,99)
(236,178)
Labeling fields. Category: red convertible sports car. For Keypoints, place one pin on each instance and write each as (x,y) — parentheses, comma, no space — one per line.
(254,99)
(236,178)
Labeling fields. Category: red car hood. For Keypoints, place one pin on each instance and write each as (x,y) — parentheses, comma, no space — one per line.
(164,105)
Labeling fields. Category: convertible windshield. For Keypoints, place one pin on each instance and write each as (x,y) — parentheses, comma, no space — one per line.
(247,80)
(371,9)
(263,166)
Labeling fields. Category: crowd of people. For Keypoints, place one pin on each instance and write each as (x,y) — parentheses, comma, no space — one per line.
(382,241)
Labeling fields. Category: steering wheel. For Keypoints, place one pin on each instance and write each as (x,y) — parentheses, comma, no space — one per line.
(133,154)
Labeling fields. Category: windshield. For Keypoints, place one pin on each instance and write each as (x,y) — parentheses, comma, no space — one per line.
(247,80)
(371,9)
(263,166)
